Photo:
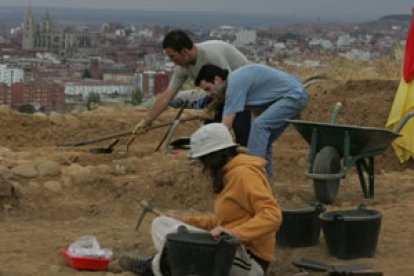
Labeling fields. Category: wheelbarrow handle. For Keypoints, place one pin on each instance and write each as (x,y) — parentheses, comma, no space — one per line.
(335,112)
(404,121)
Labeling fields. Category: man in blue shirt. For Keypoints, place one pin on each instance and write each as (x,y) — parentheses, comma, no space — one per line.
(271,95)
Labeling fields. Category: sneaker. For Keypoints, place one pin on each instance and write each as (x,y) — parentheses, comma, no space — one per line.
(140,266)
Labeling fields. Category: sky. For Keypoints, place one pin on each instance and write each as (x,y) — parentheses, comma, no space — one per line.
(340,9)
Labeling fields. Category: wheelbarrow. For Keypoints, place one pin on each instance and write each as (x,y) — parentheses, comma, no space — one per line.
(335,148)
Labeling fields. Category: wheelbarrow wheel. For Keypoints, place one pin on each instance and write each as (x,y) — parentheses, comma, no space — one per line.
(327,161)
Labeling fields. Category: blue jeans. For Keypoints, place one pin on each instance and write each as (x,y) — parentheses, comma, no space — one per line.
(268,126)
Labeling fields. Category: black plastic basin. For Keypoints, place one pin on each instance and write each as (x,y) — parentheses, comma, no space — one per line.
(300,228)
(197,253)
(351,234)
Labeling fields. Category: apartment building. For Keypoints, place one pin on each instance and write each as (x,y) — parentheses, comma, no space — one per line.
(5,95)
(49,95)
(10,75)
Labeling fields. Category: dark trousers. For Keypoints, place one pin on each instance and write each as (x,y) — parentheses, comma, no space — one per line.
(241,125)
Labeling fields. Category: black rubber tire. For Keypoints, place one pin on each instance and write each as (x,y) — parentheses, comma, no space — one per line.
(327,161)
(194,104)
(177,103)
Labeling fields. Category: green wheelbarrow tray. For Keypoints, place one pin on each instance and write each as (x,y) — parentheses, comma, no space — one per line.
(354,145)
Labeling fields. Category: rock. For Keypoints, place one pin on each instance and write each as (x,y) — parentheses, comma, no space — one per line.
(119,170)
(5,172)
(39,115)
(5,153)
(8,197)
(71,168)
(103,169)
(18,189)
(23,155)
(67,181)
(34,184)
(48,168)
(82,175)
(53,186)
(25,170)
(56,118)
(5,188)
(128,165)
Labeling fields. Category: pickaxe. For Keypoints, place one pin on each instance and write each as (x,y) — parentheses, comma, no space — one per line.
(147,207)
(124,133)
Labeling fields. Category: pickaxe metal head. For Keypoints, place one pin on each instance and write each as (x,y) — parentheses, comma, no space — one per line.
(147,207)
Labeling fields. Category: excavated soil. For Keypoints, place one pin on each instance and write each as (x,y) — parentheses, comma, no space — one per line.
(50,195)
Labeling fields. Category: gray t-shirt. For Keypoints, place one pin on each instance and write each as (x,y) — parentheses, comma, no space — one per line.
(214,52)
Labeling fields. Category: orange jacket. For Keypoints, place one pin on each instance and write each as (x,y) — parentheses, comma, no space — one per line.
(246,206)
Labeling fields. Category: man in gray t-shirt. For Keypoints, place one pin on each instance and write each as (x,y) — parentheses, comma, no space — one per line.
(189,58)
(214,52)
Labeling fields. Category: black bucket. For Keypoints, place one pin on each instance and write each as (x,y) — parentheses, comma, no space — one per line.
(180,146)
(197,253)
(351,234)
(300,228)
(181,143)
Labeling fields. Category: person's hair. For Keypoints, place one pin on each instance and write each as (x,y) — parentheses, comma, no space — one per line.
(177,40)
(214,164)
(209,71)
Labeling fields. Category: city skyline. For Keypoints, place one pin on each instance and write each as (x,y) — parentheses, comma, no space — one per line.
(331,9)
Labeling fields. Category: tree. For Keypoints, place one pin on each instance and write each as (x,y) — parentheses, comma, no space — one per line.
(93,100)
(136,97)
(26,108)
(86,74)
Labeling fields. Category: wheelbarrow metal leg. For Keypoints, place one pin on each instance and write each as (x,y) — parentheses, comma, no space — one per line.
(312,151)
(363,166)
(347,147)
(360,170)
(371,173)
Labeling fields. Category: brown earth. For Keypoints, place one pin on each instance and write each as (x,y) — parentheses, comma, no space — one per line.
(50,196)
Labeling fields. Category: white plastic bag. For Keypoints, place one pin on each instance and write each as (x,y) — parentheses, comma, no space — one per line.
(88,246)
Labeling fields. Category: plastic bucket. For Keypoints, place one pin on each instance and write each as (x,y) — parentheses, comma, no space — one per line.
(197,253)
(300,228)
(351,233)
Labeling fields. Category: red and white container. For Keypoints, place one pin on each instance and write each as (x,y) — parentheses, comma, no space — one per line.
(85,263)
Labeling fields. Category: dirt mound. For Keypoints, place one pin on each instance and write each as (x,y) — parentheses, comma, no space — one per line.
(364,102)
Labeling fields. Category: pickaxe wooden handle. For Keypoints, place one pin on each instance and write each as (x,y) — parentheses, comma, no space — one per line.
(124,133)
(177,117)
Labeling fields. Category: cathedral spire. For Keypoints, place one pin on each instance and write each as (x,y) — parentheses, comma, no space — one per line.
(29,11)
(47,23)
(47,17)
(28,29)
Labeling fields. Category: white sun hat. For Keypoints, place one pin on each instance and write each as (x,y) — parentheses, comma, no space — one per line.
(210,138)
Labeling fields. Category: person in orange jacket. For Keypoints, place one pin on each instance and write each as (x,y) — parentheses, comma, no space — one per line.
(244,207)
